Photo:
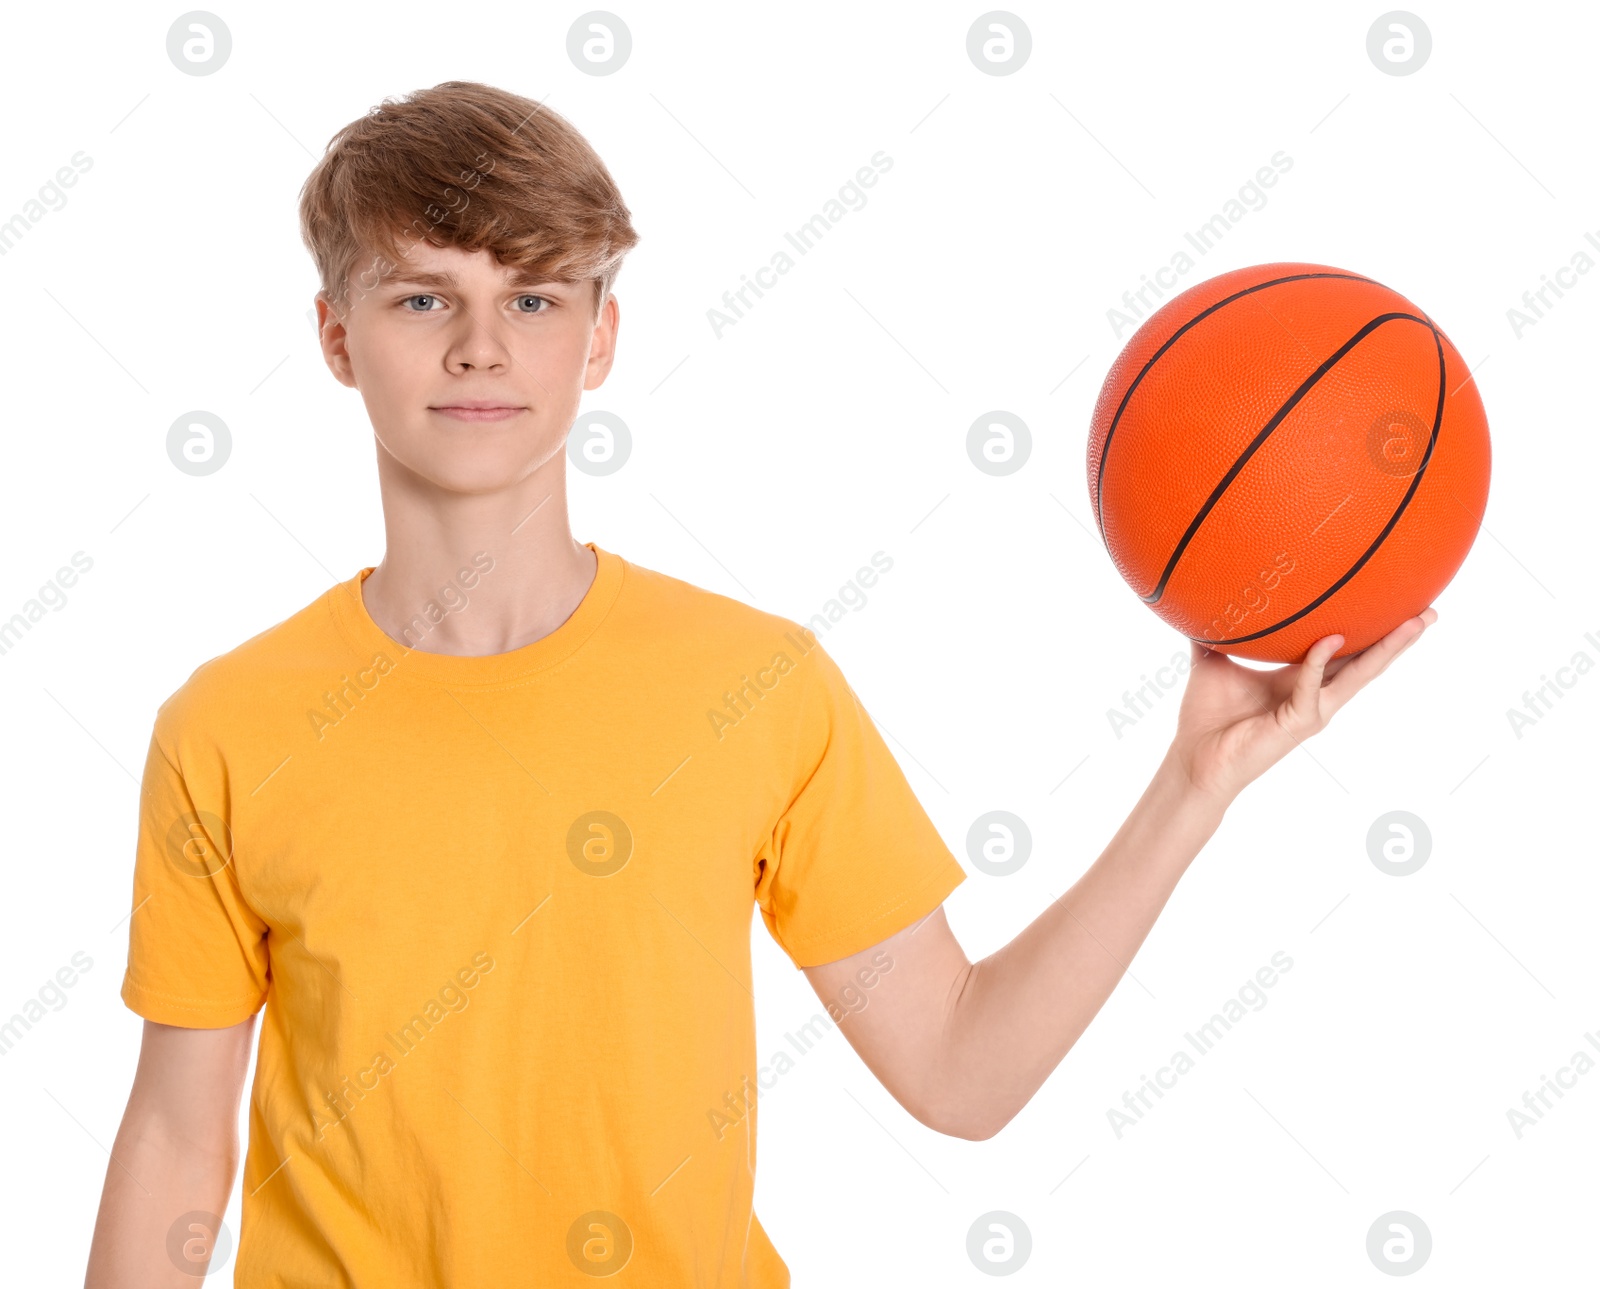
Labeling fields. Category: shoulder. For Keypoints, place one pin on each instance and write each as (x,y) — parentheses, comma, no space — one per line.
(681,610)
(686,625)
(229,691)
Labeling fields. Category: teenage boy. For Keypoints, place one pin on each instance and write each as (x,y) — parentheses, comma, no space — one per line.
(481,827)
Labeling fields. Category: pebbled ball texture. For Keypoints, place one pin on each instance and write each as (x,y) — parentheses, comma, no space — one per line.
(1287,452)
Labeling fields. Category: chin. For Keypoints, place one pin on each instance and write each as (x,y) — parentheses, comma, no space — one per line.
(469,463)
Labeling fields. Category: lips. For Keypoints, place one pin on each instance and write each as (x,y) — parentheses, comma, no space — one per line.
(478,410)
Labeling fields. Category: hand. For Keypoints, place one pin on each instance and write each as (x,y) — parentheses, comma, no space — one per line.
(1235,722)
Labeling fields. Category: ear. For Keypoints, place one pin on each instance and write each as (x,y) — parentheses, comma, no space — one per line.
(602,344)
(332,335)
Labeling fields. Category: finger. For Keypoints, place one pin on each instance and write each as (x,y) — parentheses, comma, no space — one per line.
(1305,700)
(1374,661)
(1428,615)
(1337,665)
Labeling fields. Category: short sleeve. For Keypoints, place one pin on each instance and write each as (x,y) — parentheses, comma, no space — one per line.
(197,953)
(854,857)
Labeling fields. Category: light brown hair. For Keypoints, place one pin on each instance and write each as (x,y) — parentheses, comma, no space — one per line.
(464,165)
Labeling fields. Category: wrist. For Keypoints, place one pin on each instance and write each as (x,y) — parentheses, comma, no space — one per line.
(1178,790)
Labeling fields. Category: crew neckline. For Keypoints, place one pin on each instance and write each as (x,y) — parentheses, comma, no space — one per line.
(358,626)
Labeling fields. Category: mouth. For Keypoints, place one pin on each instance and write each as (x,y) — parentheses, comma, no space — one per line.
(478,410)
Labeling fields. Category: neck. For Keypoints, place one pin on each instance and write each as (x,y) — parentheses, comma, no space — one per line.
(502,566)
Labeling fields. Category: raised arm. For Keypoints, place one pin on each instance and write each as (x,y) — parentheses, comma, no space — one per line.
(963,1046)
(175,1153)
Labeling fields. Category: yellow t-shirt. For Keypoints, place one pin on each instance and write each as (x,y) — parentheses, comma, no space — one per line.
(498,909)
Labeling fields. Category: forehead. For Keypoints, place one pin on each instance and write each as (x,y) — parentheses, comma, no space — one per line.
(423,264)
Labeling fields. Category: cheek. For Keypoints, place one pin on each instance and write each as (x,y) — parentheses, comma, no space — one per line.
(559,359)
(553,376)
(380,361)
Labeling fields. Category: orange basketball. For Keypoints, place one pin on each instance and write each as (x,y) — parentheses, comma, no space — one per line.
(1287,452)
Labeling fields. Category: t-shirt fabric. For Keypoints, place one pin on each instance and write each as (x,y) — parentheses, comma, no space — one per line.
(498,912)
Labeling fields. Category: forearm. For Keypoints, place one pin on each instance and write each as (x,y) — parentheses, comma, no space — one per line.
(153,1179)
(1020,1010)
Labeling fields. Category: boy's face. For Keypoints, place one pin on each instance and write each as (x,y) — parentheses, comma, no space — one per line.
(446,332)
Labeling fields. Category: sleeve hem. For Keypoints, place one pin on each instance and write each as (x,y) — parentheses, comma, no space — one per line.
(191,1013)
(922,899)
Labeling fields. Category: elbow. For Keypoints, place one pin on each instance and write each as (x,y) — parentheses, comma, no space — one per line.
(968,1132)
(978,1129)
(974,1130)
(969,1123)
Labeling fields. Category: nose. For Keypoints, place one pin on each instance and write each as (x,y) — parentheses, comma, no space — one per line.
(476,346)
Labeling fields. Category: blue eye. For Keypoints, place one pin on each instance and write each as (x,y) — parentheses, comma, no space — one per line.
(541,298)
(410,298)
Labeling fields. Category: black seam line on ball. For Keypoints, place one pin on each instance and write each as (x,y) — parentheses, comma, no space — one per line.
(1277,418)
(1105,448)
(1438,418)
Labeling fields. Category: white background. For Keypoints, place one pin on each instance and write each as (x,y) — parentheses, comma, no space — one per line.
(826,425)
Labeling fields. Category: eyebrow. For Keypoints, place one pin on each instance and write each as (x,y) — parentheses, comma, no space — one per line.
(429,277)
